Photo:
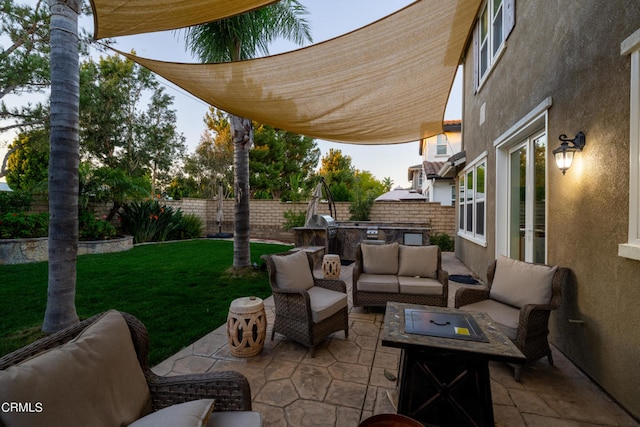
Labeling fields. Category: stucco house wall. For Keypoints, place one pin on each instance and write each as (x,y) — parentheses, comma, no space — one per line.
(564,57)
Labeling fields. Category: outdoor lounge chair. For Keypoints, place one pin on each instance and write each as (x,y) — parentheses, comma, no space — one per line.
(519,297)
(96,373)
(307,309)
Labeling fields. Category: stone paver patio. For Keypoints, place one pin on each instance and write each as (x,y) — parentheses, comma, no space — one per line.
(345,382)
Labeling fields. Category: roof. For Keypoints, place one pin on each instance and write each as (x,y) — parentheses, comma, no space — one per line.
(400,194)
(4,186)
(432,169)
(385,83)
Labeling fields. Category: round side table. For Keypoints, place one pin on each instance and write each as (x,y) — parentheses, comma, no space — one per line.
(331,266)
(246,326)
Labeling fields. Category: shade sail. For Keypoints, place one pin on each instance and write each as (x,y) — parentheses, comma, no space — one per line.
(385,83)
(126,17)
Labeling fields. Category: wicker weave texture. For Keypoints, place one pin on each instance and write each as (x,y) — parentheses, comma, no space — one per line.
(293,317)
(230,389)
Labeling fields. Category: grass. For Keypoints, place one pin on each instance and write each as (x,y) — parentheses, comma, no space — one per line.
(180,290)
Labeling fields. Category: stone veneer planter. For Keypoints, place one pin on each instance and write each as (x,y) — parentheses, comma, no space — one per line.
(22,251)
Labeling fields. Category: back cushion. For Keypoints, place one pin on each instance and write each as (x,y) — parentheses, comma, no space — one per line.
(94,380)
(418,261)
(293,271)
(379,259)
(520,283)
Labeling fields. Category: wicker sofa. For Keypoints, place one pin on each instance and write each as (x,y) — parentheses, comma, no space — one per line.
(399,273)
(96,373)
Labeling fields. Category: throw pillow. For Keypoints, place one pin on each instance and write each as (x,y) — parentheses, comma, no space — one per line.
(93,380)
(195,413)
(519,283)
(379,259)
(419,261)
(293,271)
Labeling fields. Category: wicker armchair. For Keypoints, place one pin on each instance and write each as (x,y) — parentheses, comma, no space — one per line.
(229,389)
(532,324)
(299,314)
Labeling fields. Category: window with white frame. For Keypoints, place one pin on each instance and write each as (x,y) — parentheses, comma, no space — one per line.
(441,145)
(631,249)
(495,22)
(472,202)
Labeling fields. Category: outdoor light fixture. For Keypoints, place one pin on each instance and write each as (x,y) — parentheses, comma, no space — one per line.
(564,153)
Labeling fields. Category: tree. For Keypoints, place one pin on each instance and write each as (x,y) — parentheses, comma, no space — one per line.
(159,142)
(233,39)
(25,66)
(339,174)
(212,162)
(278,155)
(64,159)
(28,163)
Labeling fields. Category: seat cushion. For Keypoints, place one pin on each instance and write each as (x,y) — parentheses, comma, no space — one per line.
(293,271)
(520,283)
(235,419)
(419,261)
(378,283)
(194,413)
(380,259)
(93,380)
(325,303)
(505,316)
(419,285)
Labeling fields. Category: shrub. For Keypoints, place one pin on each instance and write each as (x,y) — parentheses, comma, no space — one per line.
(148,221)
(189,226)
(15,201)
(443,240)
(19,225)
(294,219)
(360,209)
(92,228)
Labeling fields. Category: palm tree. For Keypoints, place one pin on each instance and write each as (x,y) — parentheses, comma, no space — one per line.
(234,39)
(64,158)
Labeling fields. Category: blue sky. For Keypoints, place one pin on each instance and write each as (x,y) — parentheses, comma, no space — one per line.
(328,19)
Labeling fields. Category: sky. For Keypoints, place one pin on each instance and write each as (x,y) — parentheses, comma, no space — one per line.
(327,19)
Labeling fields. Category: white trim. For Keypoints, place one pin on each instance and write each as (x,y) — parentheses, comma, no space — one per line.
(631,249)
(536,120)
(462,233)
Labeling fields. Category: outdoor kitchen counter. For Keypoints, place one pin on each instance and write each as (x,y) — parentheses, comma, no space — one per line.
(351,234)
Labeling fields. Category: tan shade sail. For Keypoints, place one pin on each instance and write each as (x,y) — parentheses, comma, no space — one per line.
(126,17)
(385,83)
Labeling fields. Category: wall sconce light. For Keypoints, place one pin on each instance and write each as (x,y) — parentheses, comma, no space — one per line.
(564,153)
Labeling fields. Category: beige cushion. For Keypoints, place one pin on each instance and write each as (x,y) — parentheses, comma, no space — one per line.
(325,303)
(520,283)
(378,283)
(94,380)
(235,419)
(419,261)
(380,259)
(419,285)
(195,413)
(505,316)
(293,271)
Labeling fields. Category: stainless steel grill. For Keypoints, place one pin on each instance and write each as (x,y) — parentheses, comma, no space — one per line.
(327,223)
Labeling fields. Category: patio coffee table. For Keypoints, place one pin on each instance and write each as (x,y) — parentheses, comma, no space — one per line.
(444,367)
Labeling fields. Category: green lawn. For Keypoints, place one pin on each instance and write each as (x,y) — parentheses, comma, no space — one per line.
(179,290)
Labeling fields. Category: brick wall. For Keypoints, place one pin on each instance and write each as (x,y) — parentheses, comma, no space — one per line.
(267,216)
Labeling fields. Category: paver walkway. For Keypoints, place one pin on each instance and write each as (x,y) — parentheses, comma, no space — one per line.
(345,382)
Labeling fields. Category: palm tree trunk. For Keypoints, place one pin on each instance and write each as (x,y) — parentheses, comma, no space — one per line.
(63,166)
(242,136)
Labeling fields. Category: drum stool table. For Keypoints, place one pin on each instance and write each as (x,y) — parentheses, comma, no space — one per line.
(331,266)
(246,326)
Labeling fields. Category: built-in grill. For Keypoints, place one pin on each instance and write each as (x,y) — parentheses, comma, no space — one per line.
(330,227)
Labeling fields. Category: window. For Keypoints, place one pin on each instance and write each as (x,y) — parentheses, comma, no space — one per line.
(441,145)
(495,22)
(631,249)
(471,202)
